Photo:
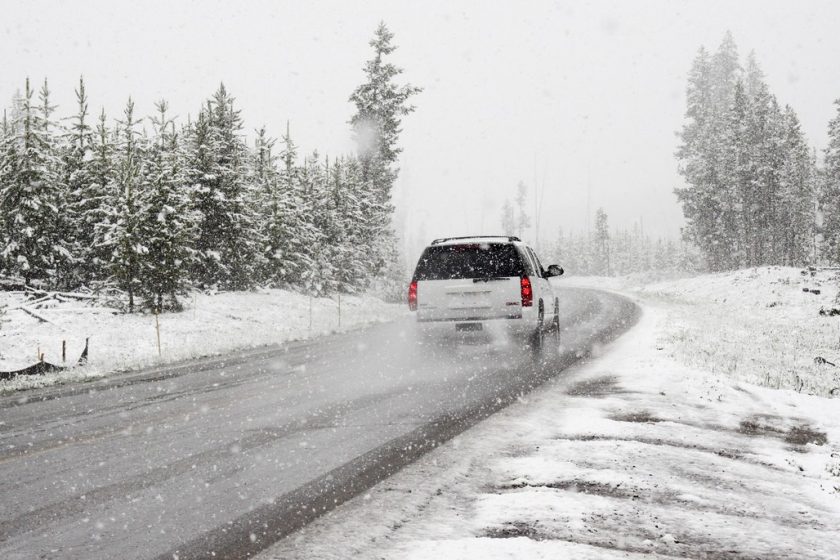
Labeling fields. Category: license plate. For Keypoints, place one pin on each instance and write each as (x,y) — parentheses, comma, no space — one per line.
(468,327)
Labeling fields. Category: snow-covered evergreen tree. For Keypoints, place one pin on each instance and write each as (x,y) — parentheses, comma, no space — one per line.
(794,221)
(339,212)
(166,223)
(294,229)
(61,256)
(601,243)
(747,181)
(289,211)
(508,219)
(830,191)
(735,187)
(266,181)
(122,235)
(523,221)
(228,240)
(95,203)
(8,170)
(351,228)
(318,278)
(31,195)
(380,104)
(84,202)
(698,155)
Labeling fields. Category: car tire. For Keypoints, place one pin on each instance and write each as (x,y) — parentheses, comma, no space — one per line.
(537,339)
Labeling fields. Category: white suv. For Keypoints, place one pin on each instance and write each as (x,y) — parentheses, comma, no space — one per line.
(462,283)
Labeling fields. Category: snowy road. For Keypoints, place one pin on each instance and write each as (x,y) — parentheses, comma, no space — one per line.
(225,456)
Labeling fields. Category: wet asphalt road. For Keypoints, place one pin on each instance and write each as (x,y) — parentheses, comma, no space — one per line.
(222,457)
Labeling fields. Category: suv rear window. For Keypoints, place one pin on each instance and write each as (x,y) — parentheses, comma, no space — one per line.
(484,260)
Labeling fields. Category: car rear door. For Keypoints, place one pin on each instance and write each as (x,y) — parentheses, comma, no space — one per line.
(468,282)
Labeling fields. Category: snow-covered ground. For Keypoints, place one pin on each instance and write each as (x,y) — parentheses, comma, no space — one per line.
(757,325)
(210,324)
(656,448)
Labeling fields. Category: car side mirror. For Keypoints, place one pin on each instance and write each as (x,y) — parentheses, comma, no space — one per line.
(554,270)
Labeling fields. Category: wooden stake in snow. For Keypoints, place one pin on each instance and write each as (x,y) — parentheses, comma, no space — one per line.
(63,351)
(157,329)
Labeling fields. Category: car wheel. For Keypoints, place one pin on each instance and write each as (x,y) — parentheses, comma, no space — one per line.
(537,339)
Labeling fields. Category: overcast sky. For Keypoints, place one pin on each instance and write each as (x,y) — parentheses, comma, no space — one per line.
(584,96)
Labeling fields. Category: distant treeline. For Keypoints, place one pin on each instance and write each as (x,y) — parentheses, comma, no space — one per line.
(154,207)
(603,252)
(754,193)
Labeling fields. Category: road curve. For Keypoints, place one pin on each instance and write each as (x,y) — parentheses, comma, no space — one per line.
(223,457)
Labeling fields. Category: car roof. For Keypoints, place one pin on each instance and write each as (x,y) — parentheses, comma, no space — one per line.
(505,239)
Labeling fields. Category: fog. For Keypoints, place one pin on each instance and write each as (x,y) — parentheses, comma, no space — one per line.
(582,99)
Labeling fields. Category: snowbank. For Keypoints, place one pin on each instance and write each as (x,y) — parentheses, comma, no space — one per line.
(210,324)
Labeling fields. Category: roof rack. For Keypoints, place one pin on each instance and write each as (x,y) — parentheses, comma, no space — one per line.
(444,239)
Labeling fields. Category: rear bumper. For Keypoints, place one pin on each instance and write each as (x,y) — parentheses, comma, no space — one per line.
(468,318)
(464,315)
(475,327)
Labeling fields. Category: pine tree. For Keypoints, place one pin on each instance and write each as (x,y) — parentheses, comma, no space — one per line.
(165,220)
(266,181)
(61,229)
(795,219)
(358,224)
(766,134)
(204,200)
(602,243)
(508,219)
(375,234)
(318,278)
(292,227)
(698,155)
(347,226)
(830,192)
(31,195)
(748,198)
(725,73)
(523,221)
(95,204)
(736,188)
(380,105)
(710,197)
(8,172)
(123,234)
(228,239)
(83,207)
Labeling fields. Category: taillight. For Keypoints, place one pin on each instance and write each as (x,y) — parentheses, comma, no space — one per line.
(527,292)
(412,296)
